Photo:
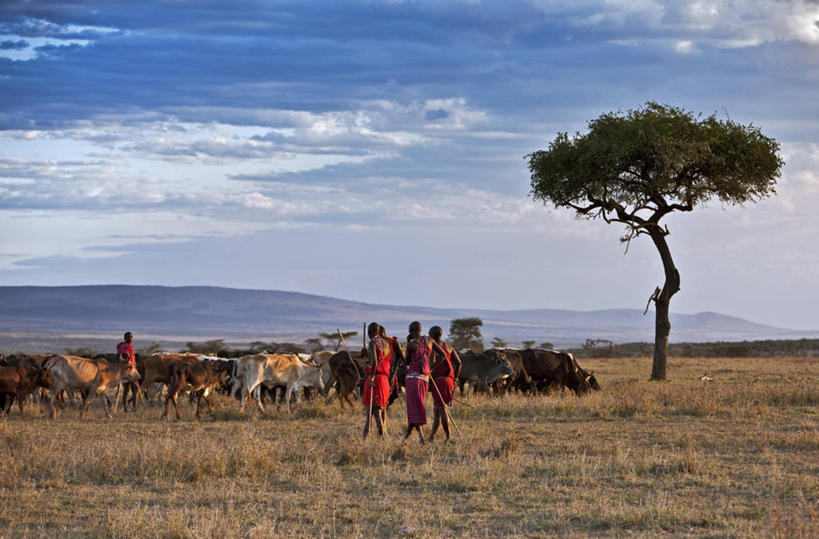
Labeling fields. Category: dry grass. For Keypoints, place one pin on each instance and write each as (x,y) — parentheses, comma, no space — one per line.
(732,457)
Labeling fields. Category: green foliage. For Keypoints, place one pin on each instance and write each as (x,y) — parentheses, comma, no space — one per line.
(637,166)
(314,344)
(335,340)
(528,344)
(546,346)
(465,333)
(497,342)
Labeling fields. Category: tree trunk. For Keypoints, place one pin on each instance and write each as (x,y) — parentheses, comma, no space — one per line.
(662,324)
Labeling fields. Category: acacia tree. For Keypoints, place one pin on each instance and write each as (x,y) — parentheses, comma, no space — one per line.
(335,339)
(637,167)
(497,342)
(465,334)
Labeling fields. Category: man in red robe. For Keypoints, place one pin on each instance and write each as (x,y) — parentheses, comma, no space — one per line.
(125,352)
(377,379)
(419,350)
(444,373)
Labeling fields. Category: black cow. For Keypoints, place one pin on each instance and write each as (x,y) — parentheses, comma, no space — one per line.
(483,369)
(346,374)
(549,369)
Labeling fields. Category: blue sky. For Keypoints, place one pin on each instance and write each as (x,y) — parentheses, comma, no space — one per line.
(375,150)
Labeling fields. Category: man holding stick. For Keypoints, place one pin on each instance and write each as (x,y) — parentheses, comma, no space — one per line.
(444,373)
(377,379)
(419,350)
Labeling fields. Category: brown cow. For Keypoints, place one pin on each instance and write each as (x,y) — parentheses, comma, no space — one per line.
(18,382)
(90,377)
(155,369)
(201,376)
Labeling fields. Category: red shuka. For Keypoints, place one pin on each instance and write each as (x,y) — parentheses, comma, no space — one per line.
(126,350)
(383,351)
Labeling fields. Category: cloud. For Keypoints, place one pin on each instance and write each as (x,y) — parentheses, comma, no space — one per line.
(43,37)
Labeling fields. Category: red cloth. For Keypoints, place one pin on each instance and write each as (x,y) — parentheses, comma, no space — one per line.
(416,393)
(126,350)
(444,368)
(382,390)
(445,386)
(418,363)
(383,355)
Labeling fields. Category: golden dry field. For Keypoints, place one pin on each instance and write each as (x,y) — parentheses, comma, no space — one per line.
(734,457)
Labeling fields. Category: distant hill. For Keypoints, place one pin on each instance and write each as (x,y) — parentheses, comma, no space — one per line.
(202,311)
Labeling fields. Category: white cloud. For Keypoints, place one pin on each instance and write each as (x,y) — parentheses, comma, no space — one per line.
(719,23)
(686,47)
(35,36)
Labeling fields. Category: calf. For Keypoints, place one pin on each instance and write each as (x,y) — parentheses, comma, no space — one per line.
(201,376)
(18,382)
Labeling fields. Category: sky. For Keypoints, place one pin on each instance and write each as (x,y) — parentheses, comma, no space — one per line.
(376,150)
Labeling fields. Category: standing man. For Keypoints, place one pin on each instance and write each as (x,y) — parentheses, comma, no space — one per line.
(377,378)
(419,350)
(444,373)
(125,352)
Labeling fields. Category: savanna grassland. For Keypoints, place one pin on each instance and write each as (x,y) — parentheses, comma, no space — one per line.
(736,456)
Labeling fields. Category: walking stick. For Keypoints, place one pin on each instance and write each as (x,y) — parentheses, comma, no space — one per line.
(116,399)
(370,414)
(446,408)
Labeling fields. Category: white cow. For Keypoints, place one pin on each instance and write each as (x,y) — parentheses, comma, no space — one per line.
(274,370)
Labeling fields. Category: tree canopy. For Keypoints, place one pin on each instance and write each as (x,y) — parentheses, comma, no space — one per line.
(636,167)
(465,334)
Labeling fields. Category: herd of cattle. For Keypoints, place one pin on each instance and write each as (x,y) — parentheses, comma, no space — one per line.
(248,375)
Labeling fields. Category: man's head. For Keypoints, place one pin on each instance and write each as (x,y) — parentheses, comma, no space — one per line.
(382,332)
(372,329)
(436,332)
(129,337)
(415,329)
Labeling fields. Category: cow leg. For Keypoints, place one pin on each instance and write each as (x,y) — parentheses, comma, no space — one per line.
(167,407)
(86,402)
(51,400)
(7,402)
(289,394)
(328,386)
(199,403)
(20,400)
(109,406)
(257,398)
(348,397)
